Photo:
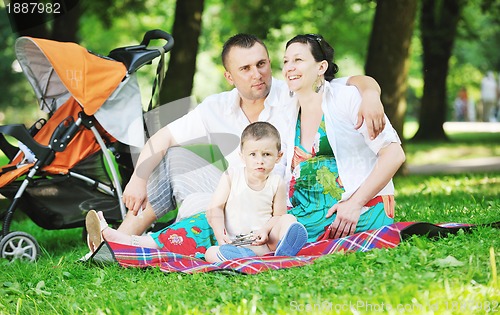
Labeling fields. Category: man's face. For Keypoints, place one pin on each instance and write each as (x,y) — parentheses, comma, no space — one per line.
(249,70)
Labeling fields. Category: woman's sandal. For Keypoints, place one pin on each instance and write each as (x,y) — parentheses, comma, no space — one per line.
(94,226)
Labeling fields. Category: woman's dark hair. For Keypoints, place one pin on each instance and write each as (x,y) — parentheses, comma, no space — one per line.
(320,50)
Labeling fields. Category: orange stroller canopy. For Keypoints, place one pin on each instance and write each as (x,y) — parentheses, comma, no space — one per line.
(89,78)
(101,85)
(67,78)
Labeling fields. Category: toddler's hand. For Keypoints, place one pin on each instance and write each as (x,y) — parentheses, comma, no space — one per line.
(261,238)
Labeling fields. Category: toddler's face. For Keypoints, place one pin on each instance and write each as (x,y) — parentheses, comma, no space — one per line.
(261,155)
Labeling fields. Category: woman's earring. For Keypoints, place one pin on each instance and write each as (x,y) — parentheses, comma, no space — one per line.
(318,84)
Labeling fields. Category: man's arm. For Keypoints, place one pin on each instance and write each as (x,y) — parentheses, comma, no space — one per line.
(371,109)
(189,126)
(135,194)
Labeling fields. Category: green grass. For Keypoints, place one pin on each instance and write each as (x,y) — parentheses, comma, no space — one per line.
(420,274)
(452,275)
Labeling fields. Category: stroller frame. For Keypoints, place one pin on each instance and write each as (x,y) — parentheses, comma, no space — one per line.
(21,245)
(59,141)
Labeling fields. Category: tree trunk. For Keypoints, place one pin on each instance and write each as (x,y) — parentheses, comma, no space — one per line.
(439,19)
(178,82)
(27,24)
(388,56)
(66,23)
(61,26)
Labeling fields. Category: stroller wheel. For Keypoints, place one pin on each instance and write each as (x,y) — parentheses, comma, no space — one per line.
(19,246)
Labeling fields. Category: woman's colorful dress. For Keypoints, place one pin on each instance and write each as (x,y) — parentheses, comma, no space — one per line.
(191,236)
(315,187)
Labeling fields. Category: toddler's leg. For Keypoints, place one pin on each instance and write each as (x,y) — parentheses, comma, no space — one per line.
(279,230)
(211,254)
(292,236)
(227,252)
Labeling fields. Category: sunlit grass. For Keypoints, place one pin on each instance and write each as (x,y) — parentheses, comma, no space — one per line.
(474,198)
(462,145)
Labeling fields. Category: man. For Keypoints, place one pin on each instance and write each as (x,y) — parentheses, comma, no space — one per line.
(219,119)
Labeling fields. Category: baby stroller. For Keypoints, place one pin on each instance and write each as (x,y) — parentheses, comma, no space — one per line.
(57,173)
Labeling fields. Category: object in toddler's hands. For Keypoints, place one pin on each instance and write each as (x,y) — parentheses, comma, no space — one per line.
(244,239)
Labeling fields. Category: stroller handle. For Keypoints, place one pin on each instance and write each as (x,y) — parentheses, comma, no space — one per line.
(134,57)
(158,34)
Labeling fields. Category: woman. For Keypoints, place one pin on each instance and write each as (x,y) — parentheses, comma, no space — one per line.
(340,179)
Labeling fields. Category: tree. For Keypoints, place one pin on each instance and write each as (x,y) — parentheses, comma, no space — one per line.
(438,24)
(66,23)
(258,17)
(388,54)
(178,82)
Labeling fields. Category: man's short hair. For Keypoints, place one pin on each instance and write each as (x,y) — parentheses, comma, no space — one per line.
(239,40)
(259,130)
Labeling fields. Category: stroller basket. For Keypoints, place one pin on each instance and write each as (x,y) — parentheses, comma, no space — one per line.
(57,173)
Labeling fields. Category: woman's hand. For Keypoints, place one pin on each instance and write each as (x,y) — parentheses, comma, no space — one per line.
(345,223)
(135,195)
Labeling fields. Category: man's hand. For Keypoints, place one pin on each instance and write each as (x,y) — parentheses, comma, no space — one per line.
(371,111)
(135,195)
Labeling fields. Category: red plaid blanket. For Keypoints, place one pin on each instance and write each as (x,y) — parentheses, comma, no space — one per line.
(385,237)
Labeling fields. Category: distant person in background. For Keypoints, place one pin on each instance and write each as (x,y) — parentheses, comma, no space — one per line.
(488,95)
(461,102)
(471,110)
(496,110)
